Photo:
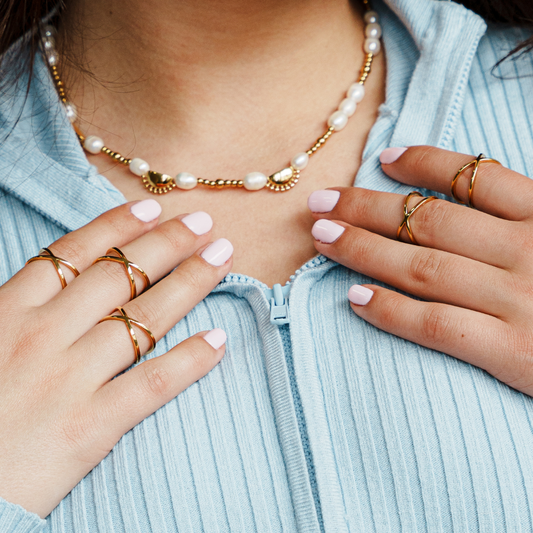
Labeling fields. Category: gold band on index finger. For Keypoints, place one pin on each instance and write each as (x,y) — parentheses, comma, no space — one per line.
(481,158)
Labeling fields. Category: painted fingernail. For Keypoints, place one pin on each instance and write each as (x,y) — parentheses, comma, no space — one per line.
(360,295)
(326,231)
(389,155)
(146,210)
(323,201)
(199,222)
(218,253)
(216,338)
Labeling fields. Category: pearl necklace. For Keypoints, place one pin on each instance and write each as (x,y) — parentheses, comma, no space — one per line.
(280,181)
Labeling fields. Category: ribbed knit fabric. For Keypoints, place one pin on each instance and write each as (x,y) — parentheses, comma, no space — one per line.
(341,427)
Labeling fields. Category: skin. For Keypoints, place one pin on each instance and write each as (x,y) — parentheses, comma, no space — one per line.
(233,86)
(238,86)
(476,289)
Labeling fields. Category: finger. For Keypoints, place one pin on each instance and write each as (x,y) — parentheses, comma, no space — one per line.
(38,282)
(438,224)
(158,309)
(105,285)
(462,333)
(424,272)
(498,190)
(131,397)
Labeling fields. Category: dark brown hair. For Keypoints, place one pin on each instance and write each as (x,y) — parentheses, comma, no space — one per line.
(21,18)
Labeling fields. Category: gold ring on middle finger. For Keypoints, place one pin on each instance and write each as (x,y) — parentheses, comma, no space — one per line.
(129,267)
(408,213)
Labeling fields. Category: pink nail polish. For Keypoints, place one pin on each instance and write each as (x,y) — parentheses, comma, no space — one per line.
(218,253)
(216,338)
(146,210)
(323,201)
(199,222)
(389,155)
(326,231)
(359,295)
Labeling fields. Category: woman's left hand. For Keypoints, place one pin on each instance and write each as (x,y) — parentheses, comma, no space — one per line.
(472,268)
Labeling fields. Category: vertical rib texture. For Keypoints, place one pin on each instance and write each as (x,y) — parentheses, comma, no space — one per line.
(361,431)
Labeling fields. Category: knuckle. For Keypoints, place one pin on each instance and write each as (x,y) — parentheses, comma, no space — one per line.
(361,246)
(425,267)
(430,218)
(113,272)
(197,357)
(362,203)
(148,313)
(172,232)
(155,380)
(72,249)
(418,161)
(390,312)
(195,279)
(436,325)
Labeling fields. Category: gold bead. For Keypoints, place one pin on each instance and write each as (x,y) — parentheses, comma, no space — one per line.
(201,181)
(219,184)
(234,183)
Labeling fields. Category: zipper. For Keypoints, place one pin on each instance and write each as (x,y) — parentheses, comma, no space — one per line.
(278,297)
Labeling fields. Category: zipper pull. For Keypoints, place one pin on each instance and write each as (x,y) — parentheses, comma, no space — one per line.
(279,304)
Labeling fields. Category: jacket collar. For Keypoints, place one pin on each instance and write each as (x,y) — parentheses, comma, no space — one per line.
(429,55)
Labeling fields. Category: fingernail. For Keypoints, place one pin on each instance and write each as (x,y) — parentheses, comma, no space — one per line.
(359,295)
(216,338)
(218,253)
(326,231)
(146,210)
(323,201)
(389,155)
(199,222)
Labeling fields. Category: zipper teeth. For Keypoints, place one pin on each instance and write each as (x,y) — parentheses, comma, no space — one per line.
(243,278)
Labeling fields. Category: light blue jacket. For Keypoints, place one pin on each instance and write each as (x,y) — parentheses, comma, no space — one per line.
(325,424)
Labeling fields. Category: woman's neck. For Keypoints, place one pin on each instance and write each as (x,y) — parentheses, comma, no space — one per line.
(195,69)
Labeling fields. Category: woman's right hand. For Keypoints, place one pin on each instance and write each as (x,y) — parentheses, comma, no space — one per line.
(61,411)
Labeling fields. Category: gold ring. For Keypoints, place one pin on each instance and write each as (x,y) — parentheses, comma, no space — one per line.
(46,255)
(123,317)
(407,214)
(129,266)
(474,163)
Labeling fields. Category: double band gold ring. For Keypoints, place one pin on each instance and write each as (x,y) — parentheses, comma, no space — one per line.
(129,267)
(474,163)
(408,213)
(45,254)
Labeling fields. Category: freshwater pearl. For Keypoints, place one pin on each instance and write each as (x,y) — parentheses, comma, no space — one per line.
(356,92)
(371,17)
(139,166)
(299,161)
(71,111)
(255,181)
(373,31)
(49,31)
(372,46)
(348,106)
(52,58)
(186,181)
(93,144)
(338,120)
(48,44)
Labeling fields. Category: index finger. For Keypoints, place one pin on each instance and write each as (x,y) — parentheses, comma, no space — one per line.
(498,191)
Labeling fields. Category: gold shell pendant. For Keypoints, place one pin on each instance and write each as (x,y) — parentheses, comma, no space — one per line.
(158,183)
(283,180)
